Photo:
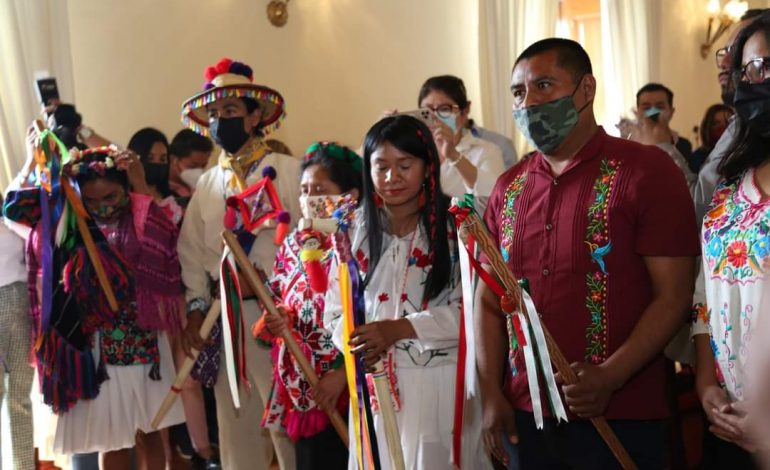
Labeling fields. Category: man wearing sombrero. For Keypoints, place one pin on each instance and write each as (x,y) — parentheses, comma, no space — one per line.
(237,114)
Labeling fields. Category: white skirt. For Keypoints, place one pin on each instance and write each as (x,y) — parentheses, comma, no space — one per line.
(424,422)
(127,402)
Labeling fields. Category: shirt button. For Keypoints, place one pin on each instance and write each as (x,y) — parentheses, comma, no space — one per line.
(556,181)
(546,272)
(548,227)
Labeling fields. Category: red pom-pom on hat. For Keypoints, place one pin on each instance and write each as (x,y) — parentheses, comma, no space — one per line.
(210,73)
(223,66)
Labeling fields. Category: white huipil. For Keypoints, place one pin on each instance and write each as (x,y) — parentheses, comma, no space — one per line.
(732,286)
(425,367)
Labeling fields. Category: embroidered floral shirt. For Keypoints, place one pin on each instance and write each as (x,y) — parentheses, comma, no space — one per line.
(580,239)
(395,291)
(732,283)
(292,396)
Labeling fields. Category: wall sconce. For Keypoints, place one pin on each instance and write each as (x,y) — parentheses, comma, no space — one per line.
(725,16)
(277,12)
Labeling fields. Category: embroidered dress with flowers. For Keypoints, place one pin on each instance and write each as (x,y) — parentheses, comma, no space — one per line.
(100,367)
(423,369)
(291,407)
(736,259)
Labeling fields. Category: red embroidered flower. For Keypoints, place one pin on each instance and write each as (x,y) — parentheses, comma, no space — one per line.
(420,259)
(383,297)
(363,261)
(596,296)
(404,297)
(737,253)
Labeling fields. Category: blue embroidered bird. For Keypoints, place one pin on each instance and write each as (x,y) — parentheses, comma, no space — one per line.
(598,253)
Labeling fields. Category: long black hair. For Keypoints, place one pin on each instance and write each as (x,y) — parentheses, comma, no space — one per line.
(411,136)
(749,147)
(142,143)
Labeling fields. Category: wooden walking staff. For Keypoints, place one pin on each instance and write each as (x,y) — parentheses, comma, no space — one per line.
(473,225)
(215,310)
(253,278)
(379,376)
(81,215)
(184,371)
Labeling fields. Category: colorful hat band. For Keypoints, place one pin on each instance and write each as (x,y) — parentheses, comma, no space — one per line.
(195,117)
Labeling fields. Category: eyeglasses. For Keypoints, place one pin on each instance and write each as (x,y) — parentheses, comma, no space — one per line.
(444,110)
(722,53)
(755,70)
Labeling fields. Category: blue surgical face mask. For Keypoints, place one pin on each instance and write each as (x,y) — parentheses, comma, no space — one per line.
(450,121)
(653,113)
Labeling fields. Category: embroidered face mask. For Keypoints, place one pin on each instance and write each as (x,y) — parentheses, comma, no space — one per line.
(108,212)
(547,125)
(319,207)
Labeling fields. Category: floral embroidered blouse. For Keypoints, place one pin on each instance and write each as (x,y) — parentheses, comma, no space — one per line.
(291,406)
(736,258)
(396,290)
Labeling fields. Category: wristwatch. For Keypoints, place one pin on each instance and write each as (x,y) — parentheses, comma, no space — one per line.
(85,133)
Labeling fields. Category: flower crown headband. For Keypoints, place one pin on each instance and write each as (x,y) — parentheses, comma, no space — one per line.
(96,160)
(336,152)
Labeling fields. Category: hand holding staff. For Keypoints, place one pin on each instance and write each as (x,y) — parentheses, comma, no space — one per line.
(264,296)
(471,224)
(187,365)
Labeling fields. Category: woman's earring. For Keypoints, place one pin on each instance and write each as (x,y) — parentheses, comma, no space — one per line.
(421,200)
(378,202)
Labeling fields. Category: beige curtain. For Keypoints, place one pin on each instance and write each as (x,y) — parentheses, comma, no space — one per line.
(34,37)
(506,28)
(629,39)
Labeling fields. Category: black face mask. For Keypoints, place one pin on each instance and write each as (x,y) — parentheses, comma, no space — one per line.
(229,134)
(156,174)
(752,104)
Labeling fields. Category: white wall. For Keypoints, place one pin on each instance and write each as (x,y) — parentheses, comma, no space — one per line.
(680,67)
(338,63)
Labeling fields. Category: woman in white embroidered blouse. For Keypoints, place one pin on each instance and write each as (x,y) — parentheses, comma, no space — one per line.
(736,259)
(412,289)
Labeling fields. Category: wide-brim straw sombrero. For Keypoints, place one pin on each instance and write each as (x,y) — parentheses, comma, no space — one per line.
(232,79)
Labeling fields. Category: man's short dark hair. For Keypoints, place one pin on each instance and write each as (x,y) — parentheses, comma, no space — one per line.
(653,87)
(570,55)
(187,141)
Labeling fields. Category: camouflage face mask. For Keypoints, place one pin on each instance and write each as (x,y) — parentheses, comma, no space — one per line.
(547,125)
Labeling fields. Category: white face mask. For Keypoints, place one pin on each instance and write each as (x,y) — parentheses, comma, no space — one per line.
(318,207)
(190,176)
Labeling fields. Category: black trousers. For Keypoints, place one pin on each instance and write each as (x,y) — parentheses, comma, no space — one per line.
(577,445)
(324,451)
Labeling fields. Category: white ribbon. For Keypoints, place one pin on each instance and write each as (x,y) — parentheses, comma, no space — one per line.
(529,360)
(232,374)
(545,358)
(470,343)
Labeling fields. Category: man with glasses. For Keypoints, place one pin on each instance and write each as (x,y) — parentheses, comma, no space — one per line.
(709,176)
